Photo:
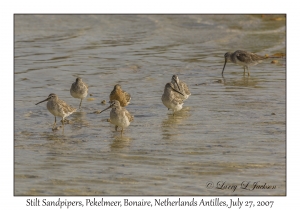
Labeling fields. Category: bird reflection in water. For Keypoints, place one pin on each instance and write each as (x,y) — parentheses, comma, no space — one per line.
(79,120)
(241,82)
(120,142)
(169,125)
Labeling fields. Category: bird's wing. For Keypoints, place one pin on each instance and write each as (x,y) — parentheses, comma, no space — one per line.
(129,116)
(243,57)
(185,88)
(65,107)
(127,96)
(255,57)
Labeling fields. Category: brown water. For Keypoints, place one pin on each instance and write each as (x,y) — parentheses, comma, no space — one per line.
(231,129)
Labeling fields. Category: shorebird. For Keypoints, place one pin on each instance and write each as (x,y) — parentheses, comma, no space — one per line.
(182,87)
(79,90)
(244,59)
(119,116)
(58,108)
(170,100)
(120,95)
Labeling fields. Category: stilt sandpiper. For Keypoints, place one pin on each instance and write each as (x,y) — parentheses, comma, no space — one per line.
(79,90)
(58,108)
(182,87)
(244,59)
(170,100)
(119,116)
(120,95)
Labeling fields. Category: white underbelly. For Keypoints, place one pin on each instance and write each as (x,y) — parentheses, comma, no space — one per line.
(171,105)
(119,120)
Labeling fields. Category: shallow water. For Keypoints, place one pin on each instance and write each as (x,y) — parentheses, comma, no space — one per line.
(231,129)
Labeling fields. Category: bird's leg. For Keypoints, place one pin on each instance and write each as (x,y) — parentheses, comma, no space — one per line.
(54,120)
(248,71)
(54,127)
(80,104)
(122,131)
(244,70)
(116,128)
(54,123)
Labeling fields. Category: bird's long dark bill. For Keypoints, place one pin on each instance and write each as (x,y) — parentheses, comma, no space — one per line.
(106,108)
(177,91)
(42,101)
(224,67)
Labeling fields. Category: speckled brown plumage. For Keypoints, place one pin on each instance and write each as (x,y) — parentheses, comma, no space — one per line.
(118,94)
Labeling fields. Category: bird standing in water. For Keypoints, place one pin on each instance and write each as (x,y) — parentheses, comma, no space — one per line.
(119,116)
(170,100)
(79,90)
(58,108)
(244,59)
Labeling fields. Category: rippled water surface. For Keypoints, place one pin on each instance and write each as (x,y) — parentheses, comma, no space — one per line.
(231,129)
